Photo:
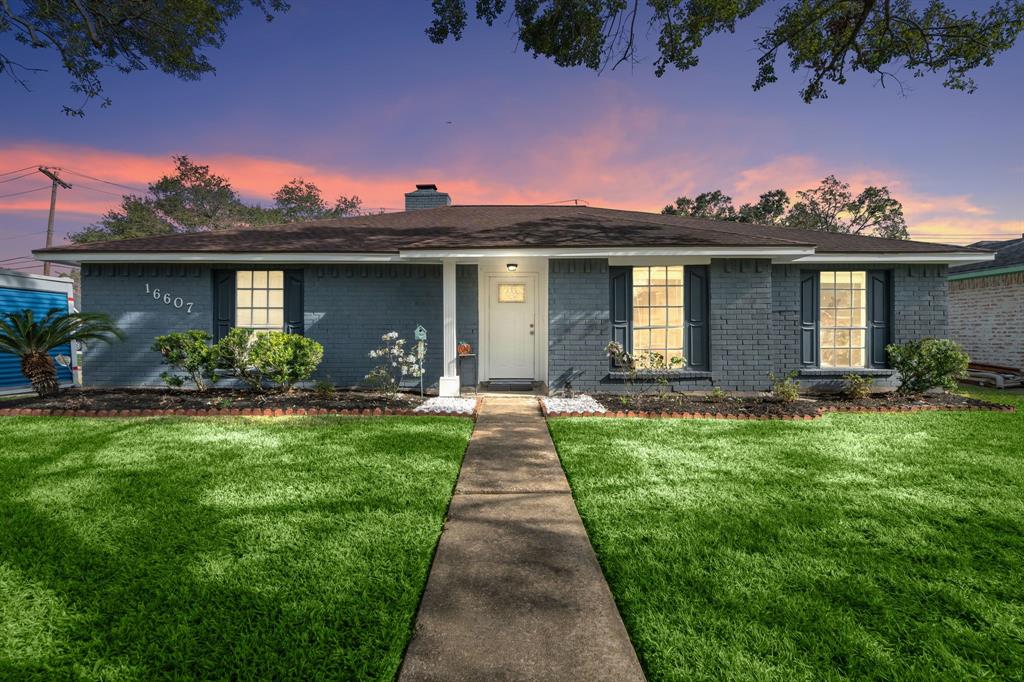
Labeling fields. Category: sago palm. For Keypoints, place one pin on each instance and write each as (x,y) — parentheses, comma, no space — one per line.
(32,340)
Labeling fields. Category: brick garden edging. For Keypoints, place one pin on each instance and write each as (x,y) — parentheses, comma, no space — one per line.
(229,412)
(818,414)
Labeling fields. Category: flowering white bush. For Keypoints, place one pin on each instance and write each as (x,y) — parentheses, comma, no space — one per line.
(396,364)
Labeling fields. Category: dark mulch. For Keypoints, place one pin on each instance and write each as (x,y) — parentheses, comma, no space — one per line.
(91,399)
(768,407)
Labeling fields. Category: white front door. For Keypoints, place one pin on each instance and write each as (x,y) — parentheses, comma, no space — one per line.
(511,327)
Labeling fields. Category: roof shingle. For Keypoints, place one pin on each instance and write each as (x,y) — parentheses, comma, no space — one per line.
(497,227)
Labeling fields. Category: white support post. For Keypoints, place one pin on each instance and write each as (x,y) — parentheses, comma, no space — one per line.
(449,385)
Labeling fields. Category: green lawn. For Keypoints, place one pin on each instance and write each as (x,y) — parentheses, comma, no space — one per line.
(220,548)
(855,546)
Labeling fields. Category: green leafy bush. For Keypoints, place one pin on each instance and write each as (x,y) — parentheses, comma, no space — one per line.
(236,358)
(857,386)
(258,357)
(190,353)
(286,359)
(928,363)
(785,389)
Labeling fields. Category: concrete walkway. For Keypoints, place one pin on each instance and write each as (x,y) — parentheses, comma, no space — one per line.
(515,591)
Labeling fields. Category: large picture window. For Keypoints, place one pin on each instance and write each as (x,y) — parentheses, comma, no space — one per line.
(657,312)
(843,319)
(259,299)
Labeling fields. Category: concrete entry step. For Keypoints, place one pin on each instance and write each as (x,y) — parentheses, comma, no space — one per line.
(515,590)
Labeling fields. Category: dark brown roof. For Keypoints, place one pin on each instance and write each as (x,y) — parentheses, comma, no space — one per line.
(462,227)
(1009,253)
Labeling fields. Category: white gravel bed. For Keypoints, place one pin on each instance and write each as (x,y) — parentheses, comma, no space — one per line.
(581,403)
(448,405)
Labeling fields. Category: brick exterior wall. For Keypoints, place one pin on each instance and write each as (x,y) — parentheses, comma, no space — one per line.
(986,317)
(921,302)
(740,314)
(754,318)
(347,309)
(578,323)
(754,322)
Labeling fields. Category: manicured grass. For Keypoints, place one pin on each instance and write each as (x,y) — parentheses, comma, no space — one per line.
(221,548)
(856,546)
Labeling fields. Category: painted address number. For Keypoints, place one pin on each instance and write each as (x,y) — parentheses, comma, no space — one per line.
(167,299)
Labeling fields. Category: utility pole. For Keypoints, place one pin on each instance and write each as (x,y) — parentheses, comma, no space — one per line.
(53,209)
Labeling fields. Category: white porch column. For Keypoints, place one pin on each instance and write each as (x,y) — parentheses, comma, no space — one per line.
(449,385)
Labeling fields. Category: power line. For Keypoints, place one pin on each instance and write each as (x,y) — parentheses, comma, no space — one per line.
(27,191)
(23,234)
(79,183)
(17,171)
(19,177)
(106,182)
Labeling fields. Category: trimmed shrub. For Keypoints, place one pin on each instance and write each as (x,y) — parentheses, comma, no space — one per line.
(928,363)
(190,353)
(235,357)
(258,357)
(286,359)
(857,386)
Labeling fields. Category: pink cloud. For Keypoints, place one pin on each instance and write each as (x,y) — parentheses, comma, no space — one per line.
(625,157)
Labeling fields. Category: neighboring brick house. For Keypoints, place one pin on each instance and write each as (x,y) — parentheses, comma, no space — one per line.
(538,291)
(986,305)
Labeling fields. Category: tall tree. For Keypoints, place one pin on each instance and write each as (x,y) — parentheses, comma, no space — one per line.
(829,207)
(705,205)
(825,39)
(770,209)
(193,198)
(90,36)
(301,200)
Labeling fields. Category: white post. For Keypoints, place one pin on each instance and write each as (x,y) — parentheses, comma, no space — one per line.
(449,385)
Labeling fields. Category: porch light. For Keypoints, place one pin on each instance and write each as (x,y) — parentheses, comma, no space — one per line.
(512,267)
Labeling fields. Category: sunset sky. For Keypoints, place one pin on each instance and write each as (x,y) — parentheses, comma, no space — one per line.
(359,101)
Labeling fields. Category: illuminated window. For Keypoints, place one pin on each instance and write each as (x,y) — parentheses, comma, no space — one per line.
(259,299)
(843,319)
(658,311)
(511,293)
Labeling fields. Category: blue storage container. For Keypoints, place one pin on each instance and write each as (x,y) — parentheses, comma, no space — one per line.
(20,291)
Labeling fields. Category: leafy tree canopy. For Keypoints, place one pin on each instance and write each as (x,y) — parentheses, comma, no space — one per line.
(92,35)
(193,198)
(301,200)
(825,39)
(830,207)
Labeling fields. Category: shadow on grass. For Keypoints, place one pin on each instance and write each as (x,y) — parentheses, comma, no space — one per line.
(877,546)
(287,550)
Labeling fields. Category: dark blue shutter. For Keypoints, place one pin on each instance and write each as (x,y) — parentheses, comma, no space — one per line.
(809,319)
(879,316)
(293,308)
(620,305)
(223,303)
(698,337)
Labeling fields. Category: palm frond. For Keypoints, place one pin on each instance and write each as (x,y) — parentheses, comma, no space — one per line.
(21,333)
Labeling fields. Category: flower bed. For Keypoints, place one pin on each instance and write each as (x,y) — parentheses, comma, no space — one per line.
(159,402)
(678,405)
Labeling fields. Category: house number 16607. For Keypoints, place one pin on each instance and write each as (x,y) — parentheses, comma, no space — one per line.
(176,301)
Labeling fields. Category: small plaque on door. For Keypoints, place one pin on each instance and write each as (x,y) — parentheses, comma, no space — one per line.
(511,293)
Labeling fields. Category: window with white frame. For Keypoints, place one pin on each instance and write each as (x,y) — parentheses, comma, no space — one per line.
(658,320)
(842,340)
(259,299)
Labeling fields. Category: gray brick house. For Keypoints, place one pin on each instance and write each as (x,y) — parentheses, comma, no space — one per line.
(986,306)
(537,291)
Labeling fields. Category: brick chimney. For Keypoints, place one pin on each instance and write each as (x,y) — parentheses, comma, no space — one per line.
(426,196)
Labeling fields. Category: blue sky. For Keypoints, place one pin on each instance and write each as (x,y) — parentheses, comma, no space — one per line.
(354,97)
